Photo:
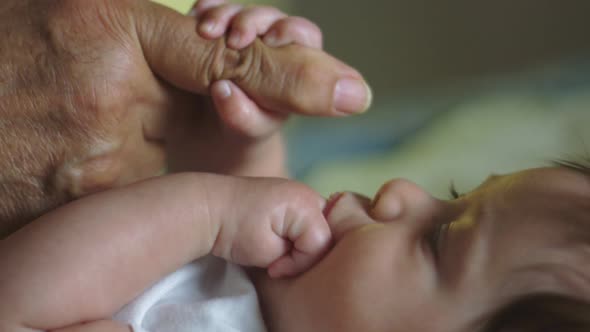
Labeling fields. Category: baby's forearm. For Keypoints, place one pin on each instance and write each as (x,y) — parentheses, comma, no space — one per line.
(266,158)
(85,260)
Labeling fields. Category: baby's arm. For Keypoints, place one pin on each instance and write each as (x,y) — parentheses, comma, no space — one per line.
(84,261)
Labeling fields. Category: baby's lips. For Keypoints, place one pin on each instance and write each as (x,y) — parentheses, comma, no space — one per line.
(330,203)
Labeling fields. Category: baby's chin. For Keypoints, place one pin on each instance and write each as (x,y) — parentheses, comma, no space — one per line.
(271,297)
(267,288)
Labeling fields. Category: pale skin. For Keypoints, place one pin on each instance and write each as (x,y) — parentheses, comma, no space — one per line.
(514,235)
(73,268)
(382,272)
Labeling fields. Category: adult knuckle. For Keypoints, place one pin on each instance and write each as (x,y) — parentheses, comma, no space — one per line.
(212,64)
(248,65)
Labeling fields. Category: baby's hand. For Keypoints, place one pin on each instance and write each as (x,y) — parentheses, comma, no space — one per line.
(275,224)
(276,29)
(216,17)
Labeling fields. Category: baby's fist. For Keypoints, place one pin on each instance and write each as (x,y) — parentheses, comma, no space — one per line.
(275,224)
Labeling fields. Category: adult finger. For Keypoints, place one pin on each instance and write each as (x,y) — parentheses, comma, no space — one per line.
(289,79)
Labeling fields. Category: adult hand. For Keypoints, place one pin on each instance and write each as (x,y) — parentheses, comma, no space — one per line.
(86,88)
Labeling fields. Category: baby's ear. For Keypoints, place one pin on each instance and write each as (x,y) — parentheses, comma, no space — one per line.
(92,174)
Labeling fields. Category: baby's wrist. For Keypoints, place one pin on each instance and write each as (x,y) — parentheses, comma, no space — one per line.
(226,210)
(264,157)
(218,200)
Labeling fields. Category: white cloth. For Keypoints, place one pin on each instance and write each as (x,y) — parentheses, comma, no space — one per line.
(208,295)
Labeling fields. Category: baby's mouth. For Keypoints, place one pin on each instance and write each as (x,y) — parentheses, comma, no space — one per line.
(331,202)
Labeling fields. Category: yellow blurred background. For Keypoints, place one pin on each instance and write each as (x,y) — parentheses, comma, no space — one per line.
(184,6)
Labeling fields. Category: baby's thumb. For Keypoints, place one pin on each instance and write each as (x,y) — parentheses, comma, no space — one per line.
(310,243)
(288,79)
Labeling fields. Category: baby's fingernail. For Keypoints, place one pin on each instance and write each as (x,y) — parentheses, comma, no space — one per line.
(271,39)
(193,12)
(224,89)
(208,26)
(352,96)
(234,39)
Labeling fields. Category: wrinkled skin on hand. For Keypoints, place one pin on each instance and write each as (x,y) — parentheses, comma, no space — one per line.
(88,89)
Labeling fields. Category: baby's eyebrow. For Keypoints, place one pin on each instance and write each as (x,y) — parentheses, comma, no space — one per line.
(580,167)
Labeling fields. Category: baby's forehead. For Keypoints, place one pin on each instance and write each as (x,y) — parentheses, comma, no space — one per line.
(554,198)
(560,179)
(550,210)
(545,189)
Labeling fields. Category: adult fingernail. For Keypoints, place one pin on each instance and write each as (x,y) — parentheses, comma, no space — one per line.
(352,96)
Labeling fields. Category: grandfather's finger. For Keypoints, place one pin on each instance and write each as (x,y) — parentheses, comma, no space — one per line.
(289,79)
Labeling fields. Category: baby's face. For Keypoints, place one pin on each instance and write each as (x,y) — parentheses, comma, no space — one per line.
(388,271)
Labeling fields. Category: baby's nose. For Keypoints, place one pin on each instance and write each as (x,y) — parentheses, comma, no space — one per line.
(401,199)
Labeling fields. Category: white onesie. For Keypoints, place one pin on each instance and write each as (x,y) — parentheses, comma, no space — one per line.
(207,295)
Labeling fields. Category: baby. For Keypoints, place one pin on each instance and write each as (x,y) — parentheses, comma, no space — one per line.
(406,261)
(402,261)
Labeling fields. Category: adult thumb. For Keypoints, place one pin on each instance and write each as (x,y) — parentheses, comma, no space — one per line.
(287,79)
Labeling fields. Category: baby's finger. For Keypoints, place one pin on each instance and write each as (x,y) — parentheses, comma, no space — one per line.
(201,6)
(241,114)
(215,22)
(296,30)
(289,266)
(310,243)
(250,23)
